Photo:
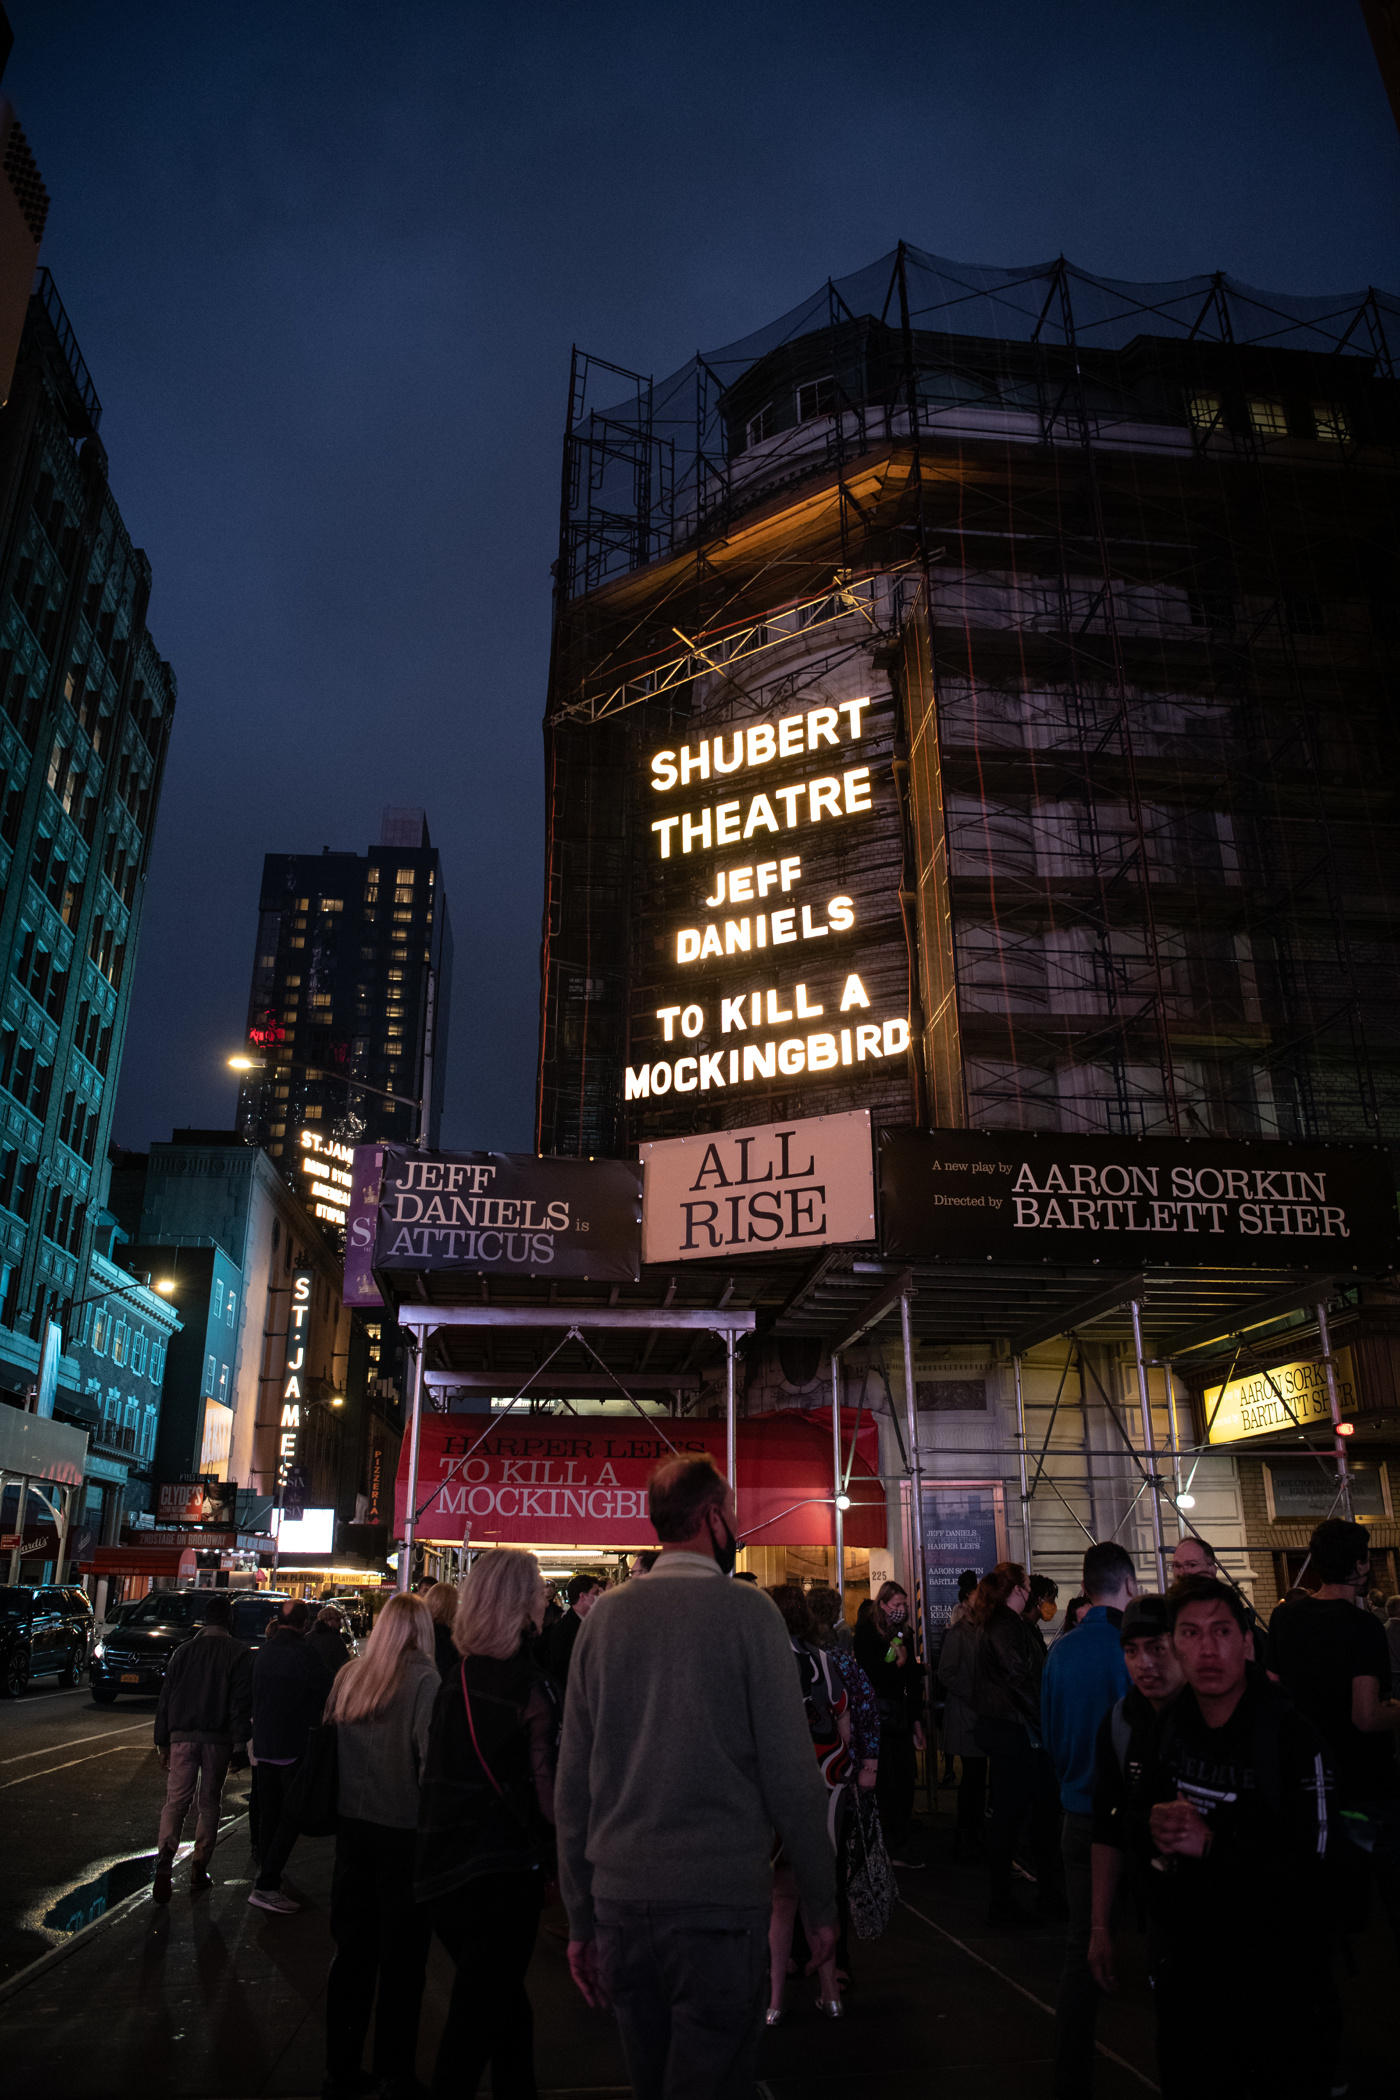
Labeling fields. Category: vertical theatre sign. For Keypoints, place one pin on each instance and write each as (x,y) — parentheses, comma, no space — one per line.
(761,845)
(293,1381)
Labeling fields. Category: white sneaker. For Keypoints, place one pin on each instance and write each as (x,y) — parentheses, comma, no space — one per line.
(273,1899)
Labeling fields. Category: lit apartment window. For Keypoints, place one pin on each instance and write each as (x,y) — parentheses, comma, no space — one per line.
(332,904)
(211,1372)
(403,896)
(228,1309)
(1267,419)
(409,875)
(1331,422)
(1204,410)
(816,398)
(760,426)
(303,903)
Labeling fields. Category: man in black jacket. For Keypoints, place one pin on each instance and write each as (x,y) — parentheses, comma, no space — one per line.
(557,1646)
(290,1688)
(202,1727)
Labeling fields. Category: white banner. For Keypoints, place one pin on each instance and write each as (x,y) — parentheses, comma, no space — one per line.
(808,1182)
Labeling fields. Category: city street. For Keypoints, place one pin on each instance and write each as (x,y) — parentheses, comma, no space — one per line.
(80,1791)
(213,1999)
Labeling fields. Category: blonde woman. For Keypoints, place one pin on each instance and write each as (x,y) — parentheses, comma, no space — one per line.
(382,1707)
(441,1601)
(486,1825)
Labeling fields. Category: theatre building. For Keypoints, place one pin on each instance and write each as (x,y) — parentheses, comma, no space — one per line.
(969,723)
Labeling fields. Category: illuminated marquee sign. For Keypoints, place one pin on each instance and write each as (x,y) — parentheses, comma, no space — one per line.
(1289,1396)
(761,912)
(329,1170)
(294,1376)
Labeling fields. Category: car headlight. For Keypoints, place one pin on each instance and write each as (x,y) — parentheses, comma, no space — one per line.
(98,1651)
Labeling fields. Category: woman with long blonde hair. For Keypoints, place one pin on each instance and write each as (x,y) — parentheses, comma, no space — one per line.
(382,1708)
(486,1828)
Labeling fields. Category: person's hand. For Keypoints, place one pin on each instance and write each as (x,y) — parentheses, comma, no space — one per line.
(583,1967)
(901,1656)
(869,1773)
(919,1737)
(164,1756)
(1177,1827)
(822,1946)
(1101,1958)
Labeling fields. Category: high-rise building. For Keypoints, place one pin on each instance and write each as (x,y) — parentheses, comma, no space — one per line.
(86,703)
(352,980)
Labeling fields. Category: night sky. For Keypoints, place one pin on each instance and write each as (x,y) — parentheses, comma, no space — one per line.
(326,263)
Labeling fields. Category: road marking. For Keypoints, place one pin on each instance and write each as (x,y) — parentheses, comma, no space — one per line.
(49,1770)
(1039,2003)
(73,1692)
(74,1743)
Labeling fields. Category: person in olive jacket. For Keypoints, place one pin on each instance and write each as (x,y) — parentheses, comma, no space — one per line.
(1007,1668)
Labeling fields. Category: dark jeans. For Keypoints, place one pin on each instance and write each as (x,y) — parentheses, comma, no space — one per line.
(1383,1861)
(1077,2004)
(689,1983)
(488,1926)
(381,1937)
(894,1788)
(1220,2043)
(1023,1792)
(274,1835)
(972,1806)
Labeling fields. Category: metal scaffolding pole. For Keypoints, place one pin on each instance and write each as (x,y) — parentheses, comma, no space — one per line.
(1149,1448)
(916,1479)
(415,1425)
(837,1491)
(1334,1403)
(1021,1454)
(731,1418)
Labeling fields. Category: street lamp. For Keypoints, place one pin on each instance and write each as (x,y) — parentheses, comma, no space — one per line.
(165,1286)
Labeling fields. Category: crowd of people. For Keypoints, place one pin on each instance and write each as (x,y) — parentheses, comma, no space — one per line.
(697,1770)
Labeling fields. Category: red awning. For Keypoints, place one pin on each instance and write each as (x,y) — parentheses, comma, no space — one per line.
(578,1482)
(139,1560)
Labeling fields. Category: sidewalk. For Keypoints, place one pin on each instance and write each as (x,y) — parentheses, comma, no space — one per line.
(212,1998)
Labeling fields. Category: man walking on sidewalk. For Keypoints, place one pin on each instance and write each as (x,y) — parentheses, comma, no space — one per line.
(290,1687)
(202,1727)
(685,1747)
(1085,1676)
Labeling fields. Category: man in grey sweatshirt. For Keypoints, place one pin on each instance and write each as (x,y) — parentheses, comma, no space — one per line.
(685,1749)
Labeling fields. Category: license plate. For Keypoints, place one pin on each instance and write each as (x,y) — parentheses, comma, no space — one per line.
(131,1676)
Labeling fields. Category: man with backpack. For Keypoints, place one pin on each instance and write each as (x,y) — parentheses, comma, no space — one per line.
(1124,1735)
(1231,1820)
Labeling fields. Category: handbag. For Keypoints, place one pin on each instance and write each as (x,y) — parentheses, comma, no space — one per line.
(551,1890)
(314,1795)
(870,1884)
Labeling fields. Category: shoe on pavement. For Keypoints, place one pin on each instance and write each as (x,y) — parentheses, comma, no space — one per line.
(274,1900)
(160,1891)
(200,1879)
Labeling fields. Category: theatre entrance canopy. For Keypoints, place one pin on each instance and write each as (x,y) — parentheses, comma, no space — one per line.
(535,1289)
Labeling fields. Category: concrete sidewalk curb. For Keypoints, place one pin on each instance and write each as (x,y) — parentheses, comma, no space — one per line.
(87,1933)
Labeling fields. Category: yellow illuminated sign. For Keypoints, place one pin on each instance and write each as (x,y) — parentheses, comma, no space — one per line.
(1288,1396)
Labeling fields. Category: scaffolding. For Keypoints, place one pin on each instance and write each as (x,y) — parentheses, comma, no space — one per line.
(1119,562)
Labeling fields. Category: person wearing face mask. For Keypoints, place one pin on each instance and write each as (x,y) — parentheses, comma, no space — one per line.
(885,1651)
(686,1747)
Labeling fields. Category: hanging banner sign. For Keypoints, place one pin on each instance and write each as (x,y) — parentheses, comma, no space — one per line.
(1287,1396)
(807,1183)
(508,1214)
(963,1195)
(360,1287)
(574,1485)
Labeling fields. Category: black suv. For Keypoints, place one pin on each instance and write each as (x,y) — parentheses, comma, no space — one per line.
(133,1657)
(43,1630)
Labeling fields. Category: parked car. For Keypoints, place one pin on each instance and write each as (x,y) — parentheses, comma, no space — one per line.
(43,1631)
(134,1656)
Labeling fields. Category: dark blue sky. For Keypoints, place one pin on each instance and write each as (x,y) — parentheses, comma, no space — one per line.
(326,262)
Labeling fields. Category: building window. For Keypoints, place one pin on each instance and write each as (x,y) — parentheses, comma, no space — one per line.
(121,1335)
(1331,421)
(218,1301)
(228,1309)
(148,1435)
(332,904)
(760,426)
(157,1362)
(223,1385)
(211,1372)
(1267,419)
(1204,411)
(101,1330)
(816,398)
(86,1328)
(140,1343)
(408,875)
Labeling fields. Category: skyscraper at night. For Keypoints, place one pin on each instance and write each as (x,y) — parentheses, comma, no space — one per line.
(352,980)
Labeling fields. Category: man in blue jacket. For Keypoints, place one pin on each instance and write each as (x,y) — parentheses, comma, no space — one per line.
(1084,1678)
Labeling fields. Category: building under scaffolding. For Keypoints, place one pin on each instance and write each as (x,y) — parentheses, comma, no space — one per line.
(1108,574)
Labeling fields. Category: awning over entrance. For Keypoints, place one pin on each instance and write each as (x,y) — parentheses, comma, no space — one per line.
(572,1481)
(140,1560)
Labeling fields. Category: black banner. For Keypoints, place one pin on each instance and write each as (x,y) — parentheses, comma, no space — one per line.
(509,1214)
(960,1195)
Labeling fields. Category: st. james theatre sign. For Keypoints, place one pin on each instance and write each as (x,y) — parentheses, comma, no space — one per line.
(958,1194)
